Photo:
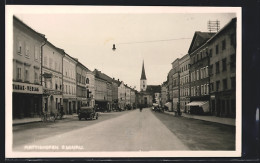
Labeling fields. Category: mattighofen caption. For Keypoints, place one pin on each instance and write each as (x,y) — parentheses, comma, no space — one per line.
(53,147)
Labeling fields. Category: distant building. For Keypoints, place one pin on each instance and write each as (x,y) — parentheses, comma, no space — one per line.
(90,88)
(69,84)
(170,89)
(121,95)
(27,88)
(184,82)
(199,84)
(175,84)
(52,77)
(222,52)
(81,85)
(103,90)
(164,93)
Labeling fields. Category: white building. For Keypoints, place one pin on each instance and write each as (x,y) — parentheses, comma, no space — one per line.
(69,84)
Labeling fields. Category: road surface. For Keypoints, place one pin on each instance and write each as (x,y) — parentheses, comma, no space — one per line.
(134,131)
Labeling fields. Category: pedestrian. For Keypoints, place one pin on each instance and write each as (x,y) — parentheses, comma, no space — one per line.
(141,108)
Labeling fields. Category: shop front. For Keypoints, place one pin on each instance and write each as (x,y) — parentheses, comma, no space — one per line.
(52,100)
(26,100)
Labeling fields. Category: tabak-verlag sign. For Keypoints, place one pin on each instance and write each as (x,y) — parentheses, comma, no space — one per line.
(27,88)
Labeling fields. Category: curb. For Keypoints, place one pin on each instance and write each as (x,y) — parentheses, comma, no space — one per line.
(169,113)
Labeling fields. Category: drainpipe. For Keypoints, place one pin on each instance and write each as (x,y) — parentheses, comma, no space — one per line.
(45,40)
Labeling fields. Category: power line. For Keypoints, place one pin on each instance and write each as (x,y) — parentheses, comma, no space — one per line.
(138,42)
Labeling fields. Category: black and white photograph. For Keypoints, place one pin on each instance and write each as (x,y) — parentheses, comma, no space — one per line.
(122,81)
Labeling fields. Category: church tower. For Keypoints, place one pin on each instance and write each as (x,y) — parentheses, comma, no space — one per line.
(143,83)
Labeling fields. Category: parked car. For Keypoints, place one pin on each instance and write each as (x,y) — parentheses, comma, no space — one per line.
(87,112)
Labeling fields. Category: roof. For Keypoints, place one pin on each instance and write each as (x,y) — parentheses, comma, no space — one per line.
(143,76)
(28,27)
(100,75)
(232,22)
(199,39)
(153,89)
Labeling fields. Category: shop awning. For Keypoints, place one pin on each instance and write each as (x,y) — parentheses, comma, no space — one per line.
(154,104)
(168,104)
(197,103)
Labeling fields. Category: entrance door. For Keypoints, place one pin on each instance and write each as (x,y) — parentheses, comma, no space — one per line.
(145,101)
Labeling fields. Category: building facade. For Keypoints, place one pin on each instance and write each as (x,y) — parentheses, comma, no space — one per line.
(52,77)
(222,52)
(90,88)
(164,93)
(69,84)
(27,88)
(122,95)
(81,91)
(170,89)
(184,83)
(127,95)
(175,84)
(199,82)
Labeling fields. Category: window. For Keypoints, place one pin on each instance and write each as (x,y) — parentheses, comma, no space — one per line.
(198,74)
(45,60)
(217,67)
(223,44)
(202,89)
(224,84)
(224,64)
(207,73)
(56,67)
(19,73)
(210,52)
(50,63)
(233,83)
(217,85)
(35,77)
(232,61)
(212,86)
(216,49)
(26,75)
(198,90)
(201,73)
(19,48)
(36,53)
(27,51)
(233,39)
(205,89)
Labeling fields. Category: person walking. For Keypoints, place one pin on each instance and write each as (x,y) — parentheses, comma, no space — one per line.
(141,108)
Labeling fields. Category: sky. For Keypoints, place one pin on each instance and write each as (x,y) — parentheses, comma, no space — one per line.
(138,37)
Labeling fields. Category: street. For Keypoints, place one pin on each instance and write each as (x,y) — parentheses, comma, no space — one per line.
(125,131)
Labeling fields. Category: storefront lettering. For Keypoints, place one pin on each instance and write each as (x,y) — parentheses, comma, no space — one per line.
(26,88)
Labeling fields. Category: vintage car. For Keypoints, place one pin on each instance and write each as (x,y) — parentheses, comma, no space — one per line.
(87,112)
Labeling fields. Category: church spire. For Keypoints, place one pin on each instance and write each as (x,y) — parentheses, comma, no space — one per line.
(143,77)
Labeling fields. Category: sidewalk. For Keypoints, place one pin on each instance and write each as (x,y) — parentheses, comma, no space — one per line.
(32,120)
(226,121)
